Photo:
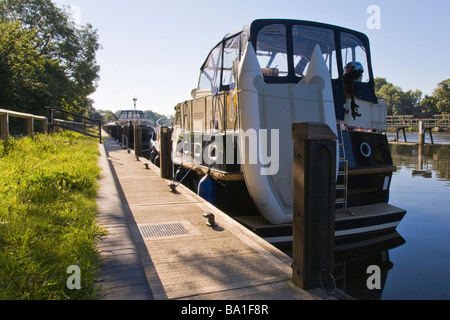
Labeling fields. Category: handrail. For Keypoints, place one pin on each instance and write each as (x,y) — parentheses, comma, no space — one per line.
(4,122)
(72,114)
(69,124)
(21,115)
(163,119)
(442,120)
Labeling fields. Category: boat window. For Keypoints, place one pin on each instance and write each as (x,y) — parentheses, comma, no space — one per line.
(353,50)
(230,54)
(305,39)
(271,50)
(124,115)
(210,73)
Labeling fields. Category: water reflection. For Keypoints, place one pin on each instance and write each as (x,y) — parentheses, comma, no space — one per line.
(423,160)
(353,258)
(421,187)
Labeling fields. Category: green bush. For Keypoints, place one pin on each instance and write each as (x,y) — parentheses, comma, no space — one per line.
(48,185)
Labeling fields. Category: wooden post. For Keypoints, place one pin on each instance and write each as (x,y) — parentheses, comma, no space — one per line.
(404,134)
(165,155)
(137,140)
(44,125)
(100,131)
(421,133)
(314,204)
(430,130)
(51,120)
(4,124)
(30,125)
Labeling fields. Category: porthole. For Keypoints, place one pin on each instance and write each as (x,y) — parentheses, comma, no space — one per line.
(366,151)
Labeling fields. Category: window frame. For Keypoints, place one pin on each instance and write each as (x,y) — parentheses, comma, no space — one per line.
(364,90)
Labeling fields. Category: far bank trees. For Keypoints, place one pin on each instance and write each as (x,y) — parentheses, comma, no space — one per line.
(400,102)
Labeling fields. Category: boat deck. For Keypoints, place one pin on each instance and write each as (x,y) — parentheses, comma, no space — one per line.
(355,221)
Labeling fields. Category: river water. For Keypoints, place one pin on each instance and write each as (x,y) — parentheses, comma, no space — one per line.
(415,262)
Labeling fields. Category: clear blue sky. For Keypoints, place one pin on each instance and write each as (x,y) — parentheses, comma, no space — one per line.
(152,50)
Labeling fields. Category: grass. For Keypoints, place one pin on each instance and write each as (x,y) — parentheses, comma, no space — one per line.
(48,187)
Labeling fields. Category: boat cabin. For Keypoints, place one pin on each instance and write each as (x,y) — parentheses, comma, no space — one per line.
(284,49)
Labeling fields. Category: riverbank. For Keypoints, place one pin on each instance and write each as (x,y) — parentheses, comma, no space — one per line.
(413,136)
(47,210)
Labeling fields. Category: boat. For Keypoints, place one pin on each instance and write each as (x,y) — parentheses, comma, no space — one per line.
(232,141)
(122,131)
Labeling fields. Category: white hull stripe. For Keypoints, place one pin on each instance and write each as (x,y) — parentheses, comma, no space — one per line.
(341,233)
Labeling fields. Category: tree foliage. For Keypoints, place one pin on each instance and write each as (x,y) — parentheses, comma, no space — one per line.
(21,67)
(400,102)
(51,62)
(442,96)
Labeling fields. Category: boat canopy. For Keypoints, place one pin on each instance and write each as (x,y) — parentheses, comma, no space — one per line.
(131,115)
(284,48)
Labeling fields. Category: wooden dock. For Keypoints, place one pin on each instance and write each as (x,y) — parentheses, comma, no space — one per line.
(160,247)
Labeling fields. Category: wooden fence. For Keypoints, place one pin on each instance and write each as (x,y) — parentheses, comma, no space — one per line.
(4,122)
(441,121)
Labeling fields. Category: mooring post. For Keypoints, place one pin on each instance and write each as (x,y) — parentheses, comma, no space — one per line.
(314,205)
(137,140)
(421,133)
(165,156)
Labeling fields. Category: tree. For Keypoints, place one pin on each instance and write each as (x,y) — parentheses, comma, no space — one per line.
(21,68)
(70,67)
(442,96)
(108,116)
(379,83)
(392,95)
(151,116)
(411,101)
(398,101)
(429,104)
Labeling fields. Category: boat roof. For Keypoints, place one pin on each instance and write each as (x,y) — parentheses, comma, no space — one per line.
(252,29)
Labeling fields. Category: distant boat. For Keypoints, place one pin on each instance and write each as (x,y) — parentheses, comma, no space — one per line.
(132,117)
(122,130)
(263,78)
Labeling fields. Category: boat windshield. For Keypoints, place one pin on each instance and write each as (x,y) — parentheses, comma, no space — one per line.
(284,49)
(217,71)
(274,42)
(129,115)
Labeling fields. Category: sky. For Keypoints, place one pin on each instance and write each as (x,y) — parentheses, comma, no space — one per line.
(152,50)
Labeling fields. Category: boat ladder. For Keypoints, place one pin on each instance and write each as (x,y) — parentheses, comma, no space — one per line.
(342,181)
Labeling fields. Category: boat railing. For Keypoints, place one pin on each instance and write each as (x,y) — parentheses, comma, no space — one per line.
(164,121)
